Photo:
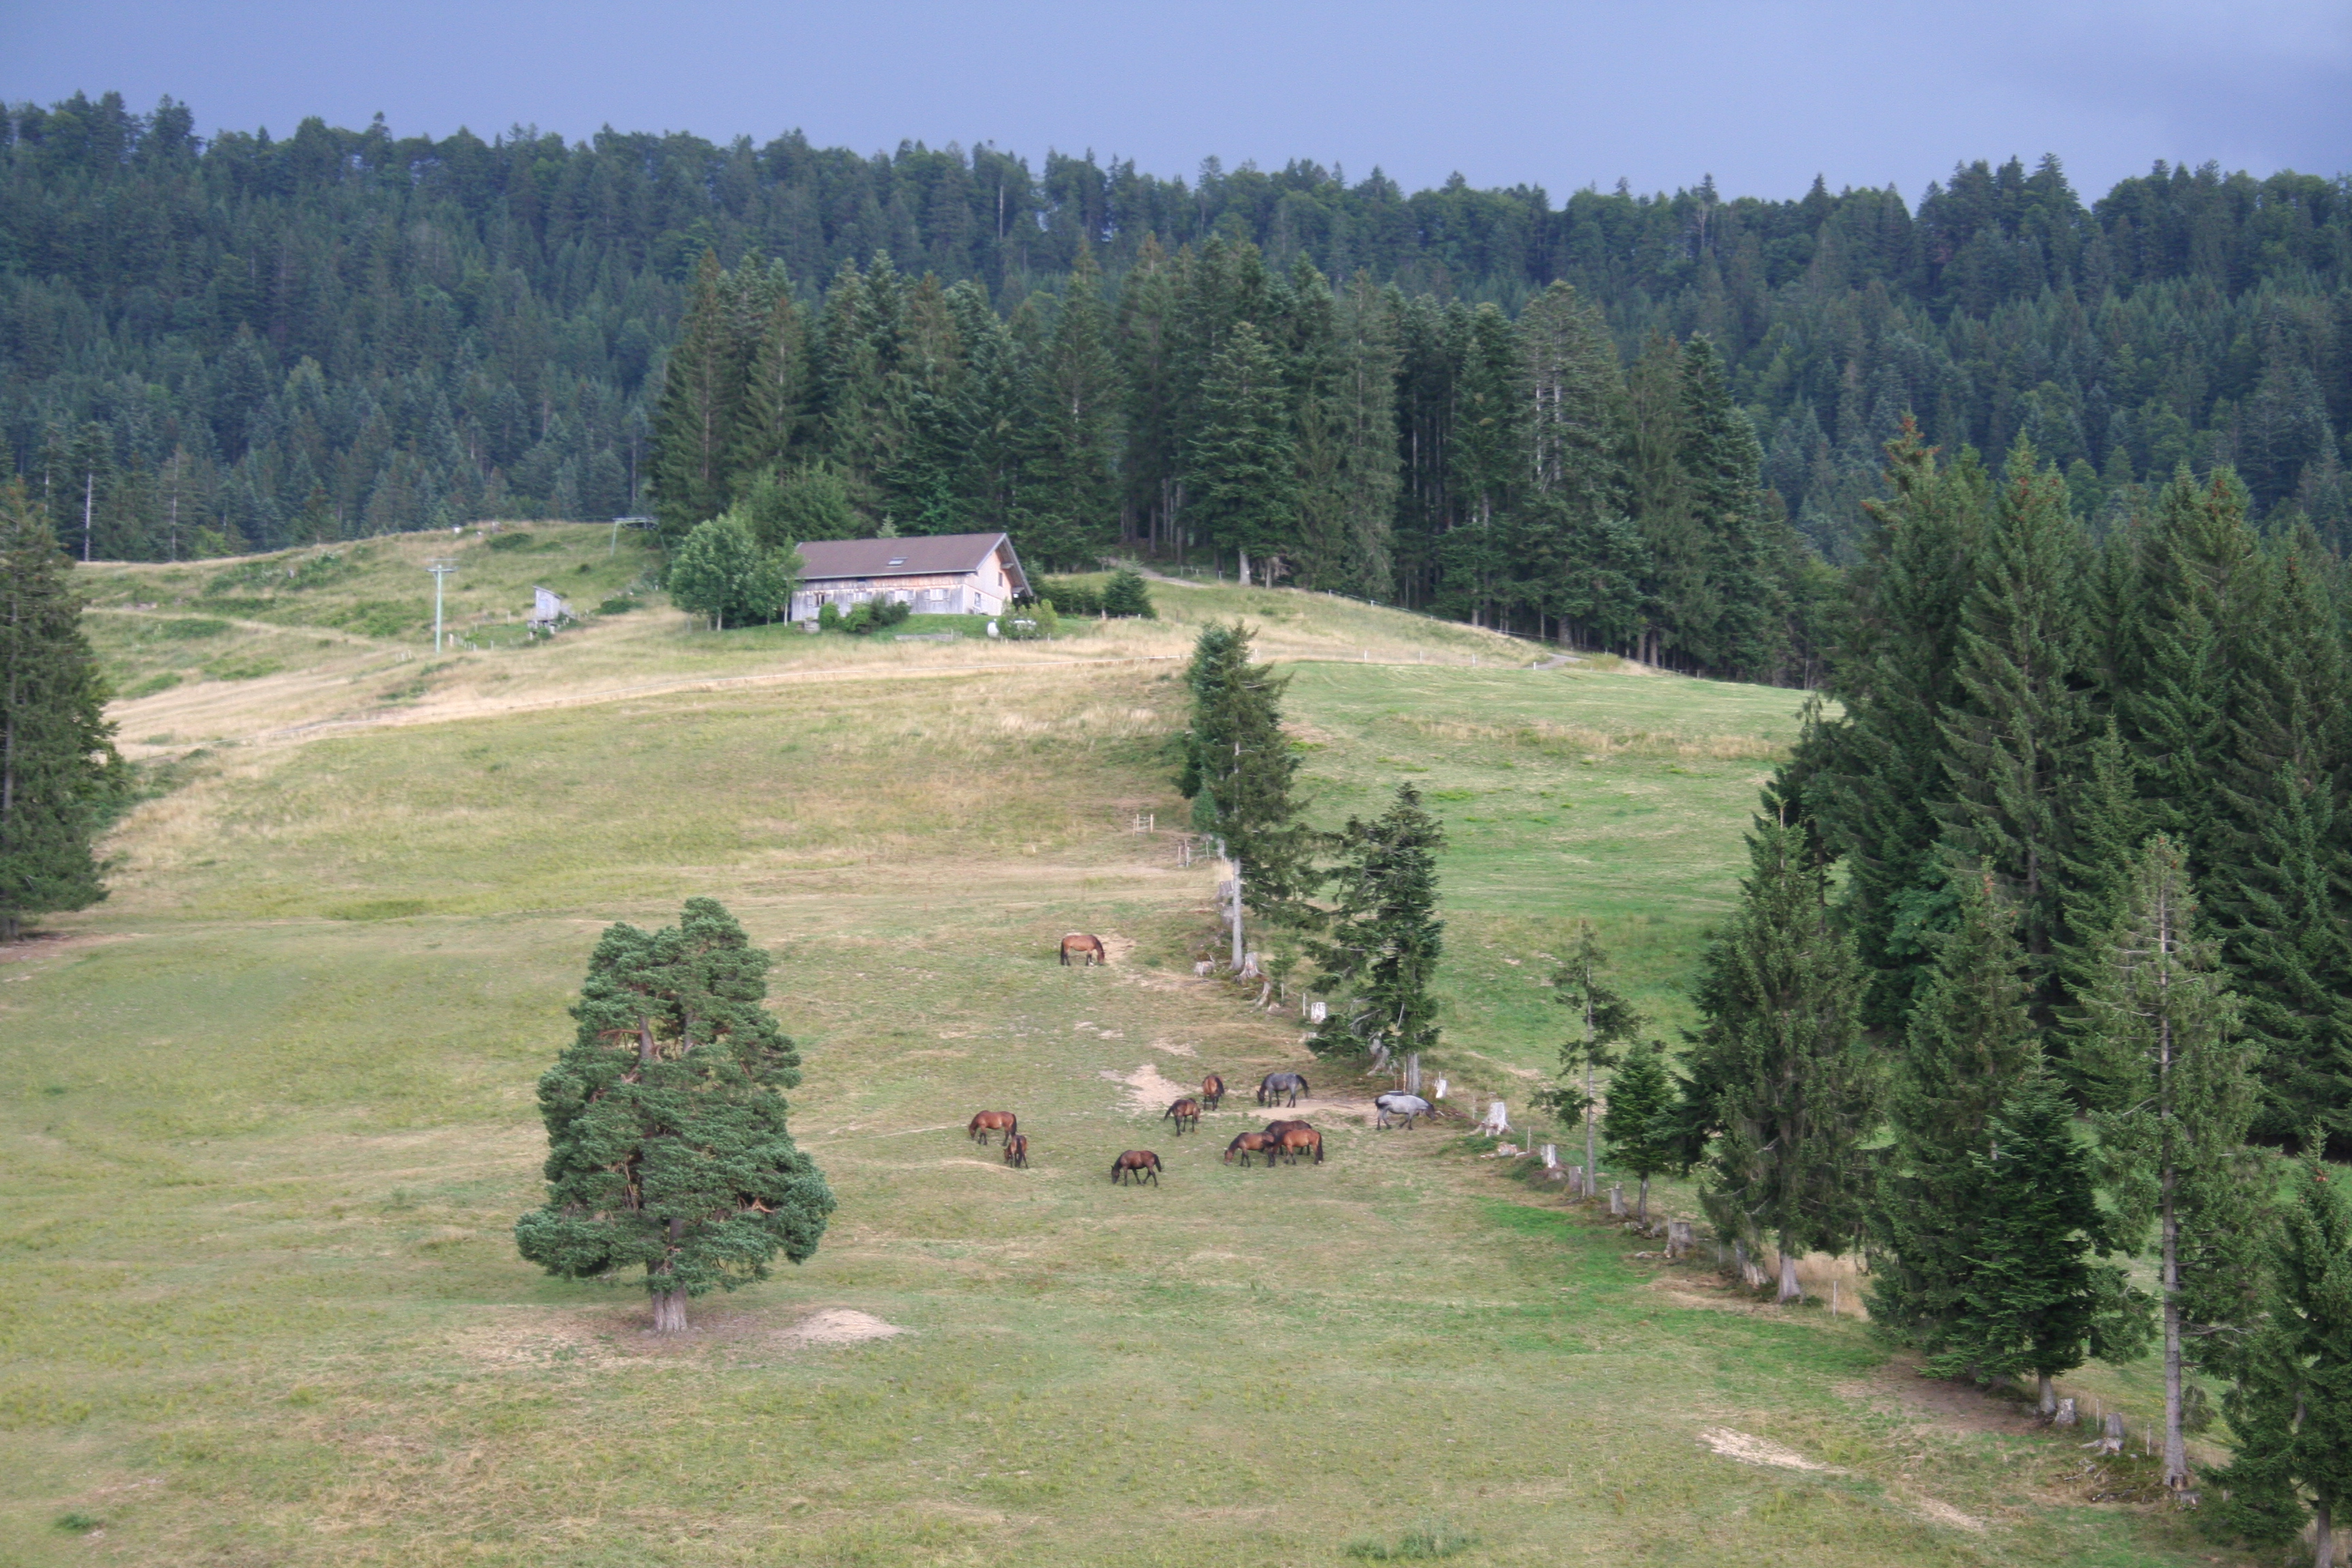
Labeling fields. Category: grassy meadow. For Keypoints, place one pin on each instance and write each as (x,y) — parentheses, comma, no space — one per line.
(271,1118)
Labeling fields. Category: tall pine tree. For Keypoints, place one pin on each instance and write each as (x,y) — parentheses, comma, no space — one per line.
(2175,1094)
(56,750)
(1969,1045)
(1780,1079)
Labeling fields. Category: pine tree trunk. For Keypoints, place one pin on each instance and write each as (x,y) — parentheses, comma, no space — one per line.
(2323,1518)
(2047,1401)
(669,1311)
(1790,1289)
(1642,1204)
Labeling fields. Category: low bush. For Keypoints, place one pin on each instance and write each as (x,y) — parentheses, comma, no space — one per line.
(620,605)
(1068,598)
(1124,597)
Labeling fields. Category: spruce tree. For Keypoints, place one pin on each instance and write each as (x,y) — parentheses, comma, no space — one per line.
(2033,1303)
(1723,467)
(1780,1079)
(2195,607)
(1242,484)
(58,763)
(1364,419)
(666,1121)
(696,442)
(2280,865)
(2015,731)
(1969,1043)
(2174,1093)
(769,428)
(1874,775)
(2290,1407)
(1070,493)
(1638,1120)
(1603,1020)
(1384,937)
(1239,771)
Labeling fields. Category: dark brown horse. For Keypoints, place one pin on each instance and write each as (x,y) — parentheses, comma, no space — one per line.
(1275,1085)
(1185,1113)
(1297,1139)
(989,1121)
(1134,1166)
(1089,948)
(1016,1149)
(1212,1090)
(1250,1143)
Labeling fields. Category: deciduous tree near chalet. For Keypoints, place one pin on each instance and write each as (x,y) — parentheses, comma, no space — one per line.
(666,1121)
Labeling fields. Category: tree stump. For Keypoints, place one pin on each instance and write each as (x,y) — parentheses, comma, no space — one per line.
(1617,1201)
(2065,1415)
(2111,1440)
(1679,1240)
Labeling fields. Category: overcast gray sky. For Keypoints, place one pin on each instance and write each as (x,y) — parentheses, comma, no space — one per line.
(1762,94)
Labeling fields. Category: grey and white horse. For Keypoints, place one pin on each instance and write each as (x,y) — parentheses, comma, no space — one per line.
(1396,1103)
(1278,1084)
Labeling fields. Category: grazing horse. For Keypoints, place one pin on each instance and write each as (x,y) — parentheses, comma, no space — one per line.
(1016,1151)
(1134,1166)
(1212,1090)
(1296,1138)
(1409,1106)
(1278,1084)
(1089,948)
(1185,1113)
(989,1121)
(1250,1143)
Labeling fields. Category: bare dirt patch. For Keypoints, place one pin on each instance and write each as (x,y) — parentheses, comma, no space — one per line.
(839,1326)
(1750,1449)
(1945,1514)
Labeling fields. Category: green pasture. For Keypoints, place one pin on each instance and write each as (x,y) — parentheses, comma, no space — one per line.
(271,1118)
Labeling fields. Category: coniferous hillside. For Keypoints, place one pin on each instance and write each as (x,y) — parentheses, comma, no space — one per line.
(250,342)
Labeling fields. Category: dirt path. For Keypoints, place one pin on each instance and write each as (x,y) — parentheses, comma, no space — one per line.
(481,708)
(196,612)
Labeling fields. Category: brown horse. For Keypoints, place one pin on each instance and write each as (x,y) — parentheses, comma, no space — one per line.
(1185,1113)
(1089,948)
(1249,1144)
(1134,1166)
(1297,1139)
(989,1121)
(1212,1090)
(1016,1149)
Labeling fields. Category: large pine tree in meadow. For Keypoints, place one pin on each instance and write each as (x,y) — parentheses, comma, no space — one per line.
(57,749)
(666,1121)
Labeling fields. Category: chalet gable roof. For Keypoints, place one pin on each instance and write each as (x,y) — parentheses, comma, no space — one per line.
(923,556)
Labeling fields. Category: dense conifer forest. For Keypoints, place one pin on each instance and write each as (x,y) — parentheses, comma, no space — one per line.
(1639,421)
